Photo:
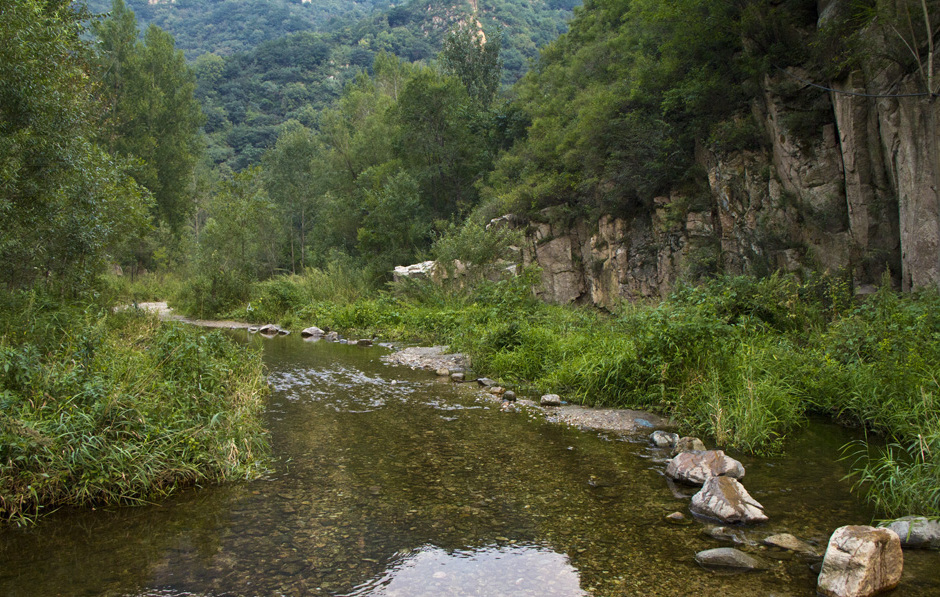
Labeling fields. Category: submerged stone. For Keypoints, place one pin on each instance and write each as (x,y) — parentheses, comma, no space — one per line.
(727,557)
(790,543)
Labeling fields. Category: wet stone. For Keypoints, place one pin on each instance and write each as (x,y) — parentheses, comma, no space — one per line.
(916,532)
(509,396)
(727,557)
(790,543)
(688,444)
(458,377)
(664,439)
(550,400)
(723,533)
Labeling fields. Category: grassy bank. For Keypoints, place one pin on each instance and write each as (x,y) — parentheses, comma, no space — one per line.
(740,360)
(102,408)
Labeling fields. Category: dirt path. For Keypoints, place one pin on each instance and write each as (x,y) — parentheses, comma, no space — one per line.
(165,312)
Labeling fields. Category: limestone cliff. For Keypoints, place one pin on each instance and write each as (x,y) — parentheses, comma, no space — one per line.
(859,195)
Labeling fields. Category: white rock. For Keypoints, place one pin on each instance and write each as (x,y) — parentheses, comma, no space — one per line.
(550,400)
(695,467)
(861,561)
(726,499)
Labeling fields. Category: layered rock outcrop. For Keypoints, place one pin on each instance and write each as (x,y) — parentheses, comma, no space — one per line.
(849,184)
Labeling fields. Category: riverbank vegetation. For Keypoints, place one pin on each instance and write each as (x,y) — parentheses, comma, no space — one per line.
(741,360)
(118,408)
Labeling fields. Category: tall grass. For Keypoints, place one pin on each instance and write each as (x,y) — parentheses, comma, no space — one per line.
(100,408)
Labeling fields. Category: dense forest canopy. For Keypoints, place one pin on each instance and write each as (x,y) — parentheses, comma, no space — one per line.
(292,59)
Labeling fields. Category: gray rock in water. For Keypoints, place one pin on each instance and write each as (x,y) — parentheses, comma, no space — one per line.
(486,382)
(509,396)
(664,439)
(333,337)
(283,332)
(727,557)
(312,332)
(790,543)
(364,342)
(457,377)
(688,444)
(695,467)
(443,372)
(269,328)
(916,531)
(726,499)
(727,534)
(861,561)
(550,400)
(676,517)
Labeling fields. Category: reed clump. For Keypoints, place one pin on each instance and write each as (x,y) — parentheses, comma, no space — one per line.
(103,408)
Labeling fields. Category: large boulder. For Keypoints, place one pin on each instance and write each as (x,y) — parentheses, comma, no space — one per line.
(725,499)
(916,531)
(312,332)
(727,557)
(695,467)
(861,561)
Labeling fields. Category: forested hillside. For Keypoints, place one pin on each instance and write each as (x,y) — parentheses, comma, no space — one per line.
(260,63)
(226,27)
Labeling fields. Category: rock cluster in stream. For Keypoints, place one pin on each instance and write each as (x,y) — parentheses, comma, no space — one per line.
(859,561)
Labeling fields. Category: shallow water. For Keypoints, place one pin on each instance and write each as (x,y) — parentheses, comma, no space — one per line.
(388,482)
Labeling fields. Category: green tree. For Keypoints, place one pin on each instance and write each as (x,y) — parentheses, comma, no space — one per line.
(475,60)
(63,201)
(395,225)
(291,181)
(155,119)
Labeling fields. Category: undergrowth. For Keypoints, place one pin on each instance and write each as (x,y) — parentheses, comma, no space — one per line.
(99,407)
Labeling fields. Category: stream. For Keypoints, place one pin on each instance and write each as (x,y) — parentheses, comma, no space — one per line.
(391,482)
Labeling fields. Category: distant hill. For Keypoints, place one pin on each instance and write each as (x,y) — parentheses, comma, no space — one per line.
(262,62)
(227,27)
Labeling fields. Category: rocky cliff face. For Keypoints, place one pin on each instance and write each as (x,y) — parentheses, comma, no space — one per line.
(859,192)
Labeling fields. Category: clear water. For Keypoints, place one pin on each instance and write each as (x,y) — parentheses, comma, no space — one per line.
(389,482)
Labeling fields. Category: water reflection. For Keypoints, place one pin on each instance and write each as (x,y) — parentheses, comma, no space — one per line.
(493,571)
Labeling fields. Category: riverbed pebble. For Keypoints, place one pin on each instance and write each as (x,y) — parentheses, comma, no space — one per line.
(727,557)
(790,543)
